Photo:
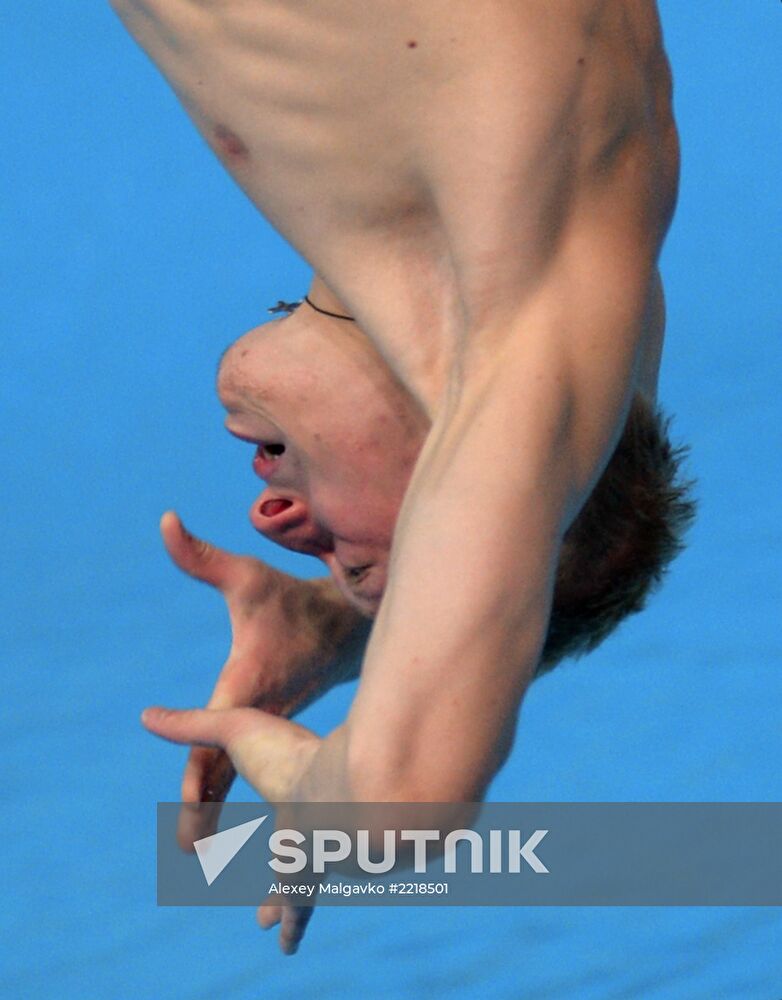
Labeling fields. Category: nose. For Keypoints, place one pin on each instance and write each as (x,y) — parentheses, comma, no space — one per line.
(286,519)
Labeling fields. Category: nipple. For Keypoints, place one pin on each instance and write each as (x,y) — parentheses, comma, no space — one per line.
(229,143)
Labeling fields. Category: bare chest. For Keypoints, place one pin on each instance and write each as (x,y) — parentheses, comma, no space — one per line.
(313,107)
(385,141)
(323,113)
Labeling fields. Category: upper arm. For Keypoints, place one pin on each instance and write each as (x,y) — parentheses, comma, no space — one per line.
(503,473)
(464,616)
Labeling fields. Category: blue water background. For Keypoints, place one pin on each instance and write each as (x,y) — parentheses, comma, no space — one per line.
(129,260)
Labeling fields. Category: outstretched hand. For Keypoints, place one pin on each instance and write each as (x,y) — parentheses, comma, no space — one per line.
(287,637)
(271,753)
(291,642)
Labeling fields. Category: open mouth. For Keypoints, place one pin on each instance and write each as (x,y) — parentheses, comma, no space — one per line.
(266,458)
(271,508)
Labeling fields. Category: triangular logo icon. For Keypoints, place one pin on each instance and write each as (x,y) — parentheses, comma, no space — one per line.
(217,851)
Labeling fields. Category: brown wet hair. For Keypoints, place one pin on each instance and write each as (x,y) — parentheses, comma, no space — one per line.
(618,549)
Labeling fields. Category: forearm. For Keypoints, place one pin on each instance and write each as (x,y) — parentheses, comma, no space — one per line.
(462,623)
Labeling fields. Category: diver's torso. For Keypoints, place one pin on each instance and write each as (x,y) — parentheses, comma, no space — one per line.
(381,138)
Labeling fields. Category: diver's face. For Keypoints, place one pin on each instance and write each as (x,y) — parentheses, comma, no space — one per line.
(336,438)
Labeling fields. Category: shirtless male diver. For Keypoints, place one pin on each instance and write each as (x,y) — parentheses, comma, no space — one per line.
(485,187)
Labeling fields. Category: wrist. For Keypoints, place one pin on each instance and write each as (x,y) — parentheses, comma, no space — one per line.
(333,630)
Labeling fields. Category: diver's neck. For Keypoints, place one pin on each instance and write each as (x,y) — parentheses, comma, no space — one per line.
(418,343)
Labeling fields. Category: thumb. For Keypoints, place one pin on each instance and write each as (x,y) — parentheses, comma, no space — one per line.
(196,557)
(270,752)
(198,726)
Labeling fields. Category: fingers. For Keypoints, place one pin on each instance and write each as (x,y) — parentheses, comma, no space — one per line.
(293,922)
(209,772)
(269,915)
(196,557)
(270,752)
(208,777)
(225,729)
(292,927)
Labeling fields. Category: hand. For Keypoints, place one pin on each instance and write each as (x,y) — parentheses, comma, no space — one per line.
(290,640)
(269,752)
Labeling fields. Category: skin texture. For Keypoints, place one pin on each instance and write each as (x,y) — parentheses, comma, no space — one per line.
(292,640)
(497,243)
(336,437)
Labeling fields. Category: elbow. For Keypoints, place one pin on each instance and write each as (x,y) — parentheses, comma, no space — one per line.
(377,784)
(403,798)
(393,773)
